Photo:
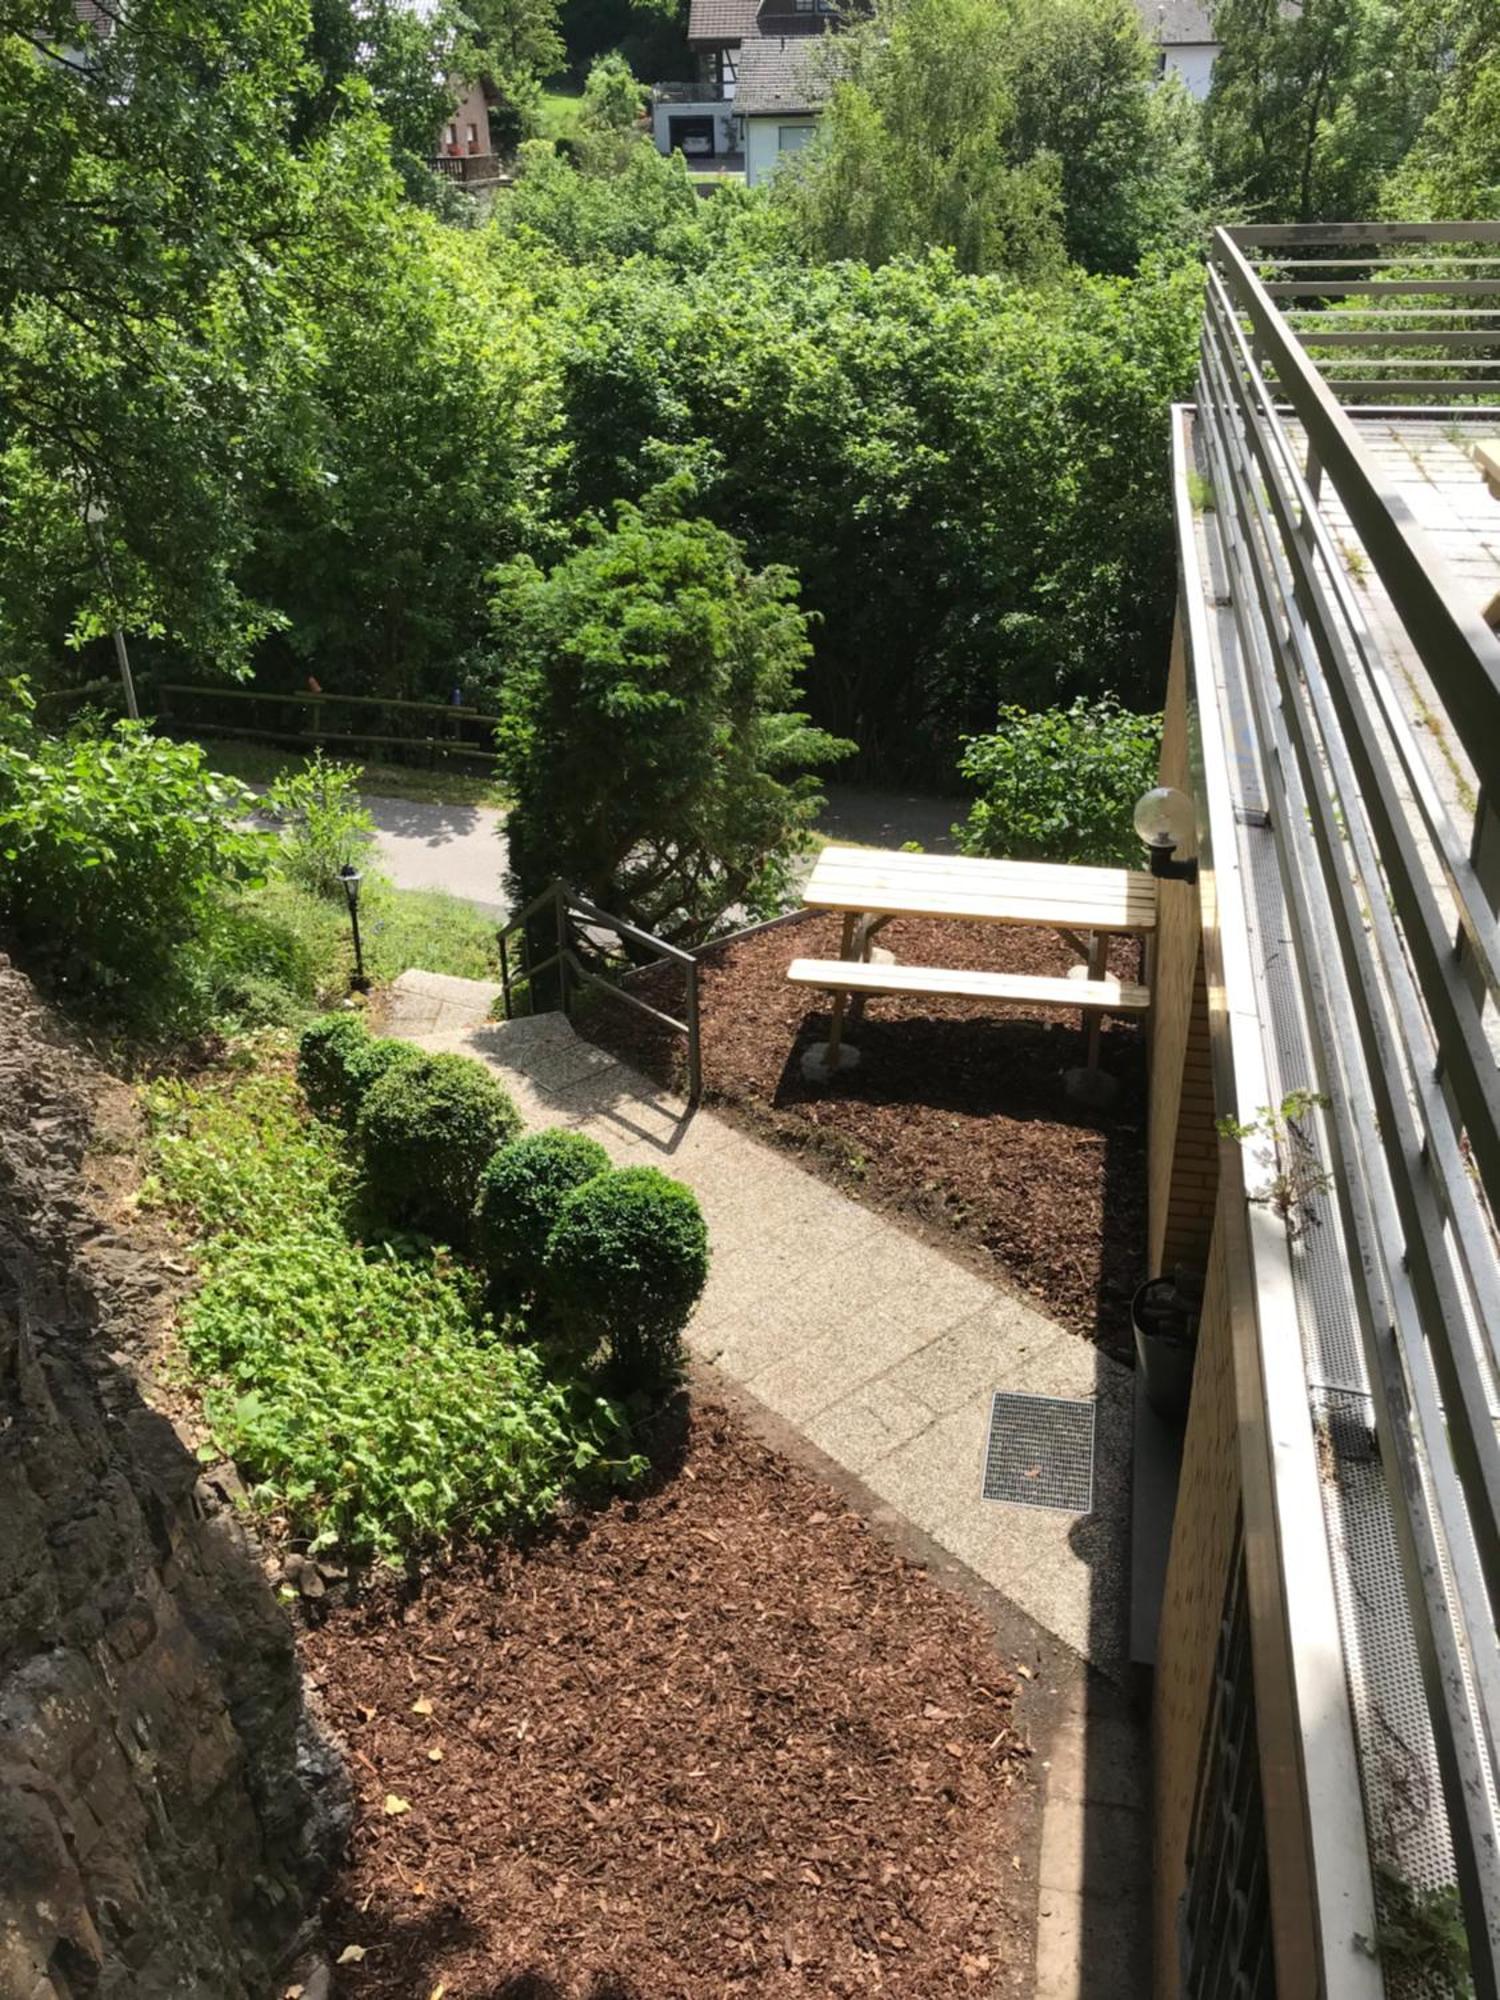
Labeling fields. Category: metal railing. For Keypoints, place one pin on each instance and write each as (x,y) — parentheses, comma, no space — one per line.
(569,911)
(1392,906)
(1422,300)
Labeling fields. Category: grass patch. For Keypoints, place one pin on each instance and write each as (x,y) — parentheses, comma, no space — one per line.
(370,1403)
(264,763)
(561,105)
(399,928)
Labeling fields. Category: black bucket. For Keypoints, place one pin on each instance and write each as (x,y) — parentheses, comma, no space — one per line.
(1166,1345)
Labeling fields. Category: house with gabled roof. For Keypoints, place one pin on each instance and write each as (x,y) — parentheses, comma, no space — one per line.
(757,92)
(1183,34)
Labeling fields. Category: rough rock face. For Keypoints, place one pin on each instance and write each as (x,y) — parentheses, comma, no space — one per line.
(168,1810)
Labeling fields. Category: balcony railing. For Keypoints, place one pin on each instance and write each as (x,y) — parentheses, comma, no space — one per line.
(468,169)
(1342,638)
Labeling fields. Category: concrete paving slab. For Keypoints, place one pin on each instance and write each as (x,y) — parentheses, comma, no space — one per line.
(937,1475)
(868,1425)
(1097,1760)
(963,1366)
(856,1352)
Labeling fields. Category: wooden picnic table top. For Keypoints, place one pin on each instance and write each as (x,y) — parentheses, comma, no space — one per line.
(871,882)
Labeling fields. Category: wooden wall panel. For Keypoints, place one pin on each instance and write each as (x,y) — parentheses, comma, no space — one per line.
(1182,1148)
(1203,1528)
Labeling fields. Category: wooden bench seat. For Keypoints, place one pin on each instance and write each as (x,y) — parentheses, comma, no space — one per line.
(1005,989)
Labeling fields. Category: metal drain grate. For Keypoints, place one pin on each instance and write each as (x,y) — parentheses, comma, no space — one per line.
(1041,1453)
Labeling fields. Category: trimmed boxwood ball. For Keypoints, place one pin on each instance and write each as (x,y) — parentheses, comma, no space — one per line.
(427,1126)
(323,1057)
(521,1193)
(337,1061)
(626,1261)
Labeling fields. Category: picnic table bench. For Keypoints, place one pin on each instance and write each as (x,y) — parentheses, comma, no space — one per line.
(1088,906)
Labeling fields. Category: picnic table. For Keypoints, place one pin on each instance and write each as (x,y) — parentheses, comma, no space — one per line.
(870,888)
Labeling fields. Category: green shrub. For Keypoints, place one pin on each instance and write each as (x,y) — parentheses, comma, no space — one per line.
(367,1406)
(626,1261)
(428,1127)
(363,1396)
(323,1054)
(521,1193)
(324,825)
(1061,785)
(338,1060)
(114,853)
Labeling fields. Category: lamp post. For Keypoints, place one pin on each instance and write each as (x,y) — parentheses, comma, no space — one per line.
(93,515)
(1164,821)
(351,878)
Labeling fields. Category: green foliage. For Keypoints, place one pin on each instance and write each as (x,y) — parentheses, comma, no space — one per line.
(324,825)
(1008,131)
(399,928)
(428,1128)
(1060,785)
(363,1401)
(914,148)
(516,37)
(521,1194)
(148,173)
(236,1156)
(369,1403)
(646,205)
(403,55)
(609,118)
(1422,1938)
(626,1262)
(1453,169)
(1312,106)
(1289,1155)
(645,733)
(409,476)
(650,34)
(114,852)
(325,1051)
(338,1060)
(970,478)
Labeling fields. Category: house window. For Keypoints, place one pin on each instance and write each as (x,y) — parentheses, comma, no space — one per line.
(472,132)
(792,138)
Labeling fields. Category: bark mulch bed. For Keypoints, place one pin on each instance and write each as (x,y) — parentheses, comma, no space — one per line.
(955,1117)
(718,1739)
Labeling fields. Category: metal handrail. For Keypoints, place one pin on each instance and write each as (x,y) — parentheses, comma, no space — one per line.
(569,907)
(1415,1111)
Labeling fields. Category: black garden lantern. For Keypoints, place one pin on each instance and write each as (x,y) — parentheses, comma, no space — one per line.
(351,878)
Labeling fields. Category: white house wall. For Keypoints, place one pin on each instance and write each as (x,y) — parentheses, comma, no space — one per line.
(1193,62)
(763,144)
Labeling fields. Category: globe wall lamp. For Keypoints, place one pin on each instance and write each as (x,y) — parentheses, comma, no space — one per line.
(1164,821)
(350,879)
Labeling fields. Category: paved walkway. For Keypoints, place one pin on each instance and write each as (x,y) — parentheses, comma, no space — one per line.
(884,1353)
(457,848)
(879,1348)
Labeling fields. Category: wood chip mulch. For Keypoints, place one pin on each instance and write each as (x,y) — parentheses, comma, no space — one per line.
(955,1117)
(718,1739)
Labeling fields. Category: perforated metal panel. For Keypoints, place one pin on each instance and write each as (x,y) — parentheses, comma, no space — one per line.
(1041,1453)
(1225,1934)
